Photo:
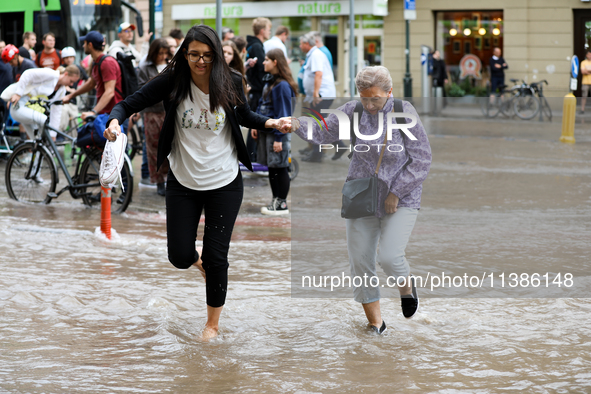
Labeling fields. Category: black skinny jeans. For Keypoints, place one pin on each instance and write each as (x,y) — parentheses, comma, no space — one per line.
(183,212)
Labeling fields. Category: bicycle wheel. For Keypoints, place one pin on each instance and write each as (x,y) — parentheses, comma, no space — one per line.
(526,106)
(91,195)
(294,168)
(31,174)
(547,111)
(506,104)
(134,142)
(490,106)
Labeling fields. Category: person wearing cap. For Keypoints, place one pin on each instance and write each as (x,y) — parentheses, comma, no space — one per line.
(123,44)
(49,57)
(69,57)
(71,109)
(107,82)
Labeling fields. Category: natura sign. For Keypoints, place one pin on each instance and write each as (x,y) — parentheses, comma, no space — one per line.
(278,9)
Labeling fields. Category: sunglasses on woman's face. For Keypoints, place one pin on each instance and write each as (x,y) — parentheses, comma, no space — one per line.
(195,57)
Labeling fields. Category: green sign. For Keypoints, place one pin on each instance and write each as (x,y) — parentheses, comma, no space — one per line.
(319,9)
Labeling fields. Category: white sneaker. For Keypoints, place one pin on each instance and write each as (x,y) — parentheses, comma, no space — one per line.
(112,161)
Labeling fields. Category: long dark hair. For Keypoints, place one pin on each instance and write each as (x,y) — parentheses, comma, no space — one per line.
(222,92)
(155,47)
(236,62)
(284,71)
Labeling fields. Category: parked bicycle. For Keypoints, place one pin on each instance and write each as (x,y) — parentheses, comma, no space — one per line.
(32,174)
(538,88)
(525,103)
(500,101)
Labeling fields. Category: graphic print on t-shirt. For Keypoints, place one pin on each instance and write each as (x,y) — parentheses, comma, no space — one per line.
(188,120)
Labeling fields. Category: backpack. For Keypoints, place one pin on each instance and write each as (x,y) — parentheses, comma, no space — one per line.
(129,80)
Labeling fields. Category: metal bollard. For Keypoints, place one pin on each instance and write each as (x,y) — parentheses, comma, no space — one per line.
(569,109)
(106,211)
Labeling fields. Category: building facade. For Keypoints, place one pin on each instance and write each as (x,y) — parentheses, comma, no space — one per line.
(537,37)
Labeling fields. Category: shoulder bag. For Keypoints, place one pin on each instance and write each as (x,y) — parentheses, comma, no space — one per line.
(360,196)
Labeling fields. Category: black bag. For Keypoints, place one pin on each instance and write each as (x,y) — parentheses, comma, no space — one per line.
(360,196)
(129,79)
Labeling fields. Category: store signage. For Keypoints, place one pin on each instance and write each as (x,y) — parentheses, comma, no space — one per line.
(279,9)
(470,65)
(410,10)
(92,2)
(574,66)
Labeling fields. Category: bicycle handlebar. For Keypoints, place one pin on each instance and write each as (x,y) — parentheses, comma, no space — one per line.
(46,103)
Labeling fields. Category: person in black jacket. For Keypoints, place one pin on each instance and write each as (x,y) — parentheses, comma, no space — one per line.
(497,73)
(205,106)
(261,27)
(439,74)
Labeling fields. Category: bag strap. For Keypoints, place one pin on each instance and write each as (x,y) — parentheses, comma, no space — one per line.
(101,74)
(397,109)
(359,111)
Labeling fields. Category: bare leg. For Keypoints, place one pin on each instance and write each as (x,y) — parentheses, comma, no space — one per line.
(199,264)
(583,103)
(373,313)
(213,321)
(407,288)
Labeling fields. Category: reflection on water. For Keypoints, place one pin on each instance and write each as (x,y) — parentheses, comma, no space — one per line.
(80,314)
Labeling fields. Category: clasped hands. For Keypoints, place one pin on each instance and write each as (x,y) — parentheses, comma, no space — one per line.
(284,125)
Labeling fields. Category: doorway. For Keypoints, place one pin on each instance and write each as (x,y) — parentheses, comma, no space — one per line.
(12,27)
(368,50)
(582,39)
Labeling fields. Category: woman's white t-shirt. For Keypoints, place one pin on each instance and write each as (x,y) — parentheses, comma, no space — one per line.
(203,154)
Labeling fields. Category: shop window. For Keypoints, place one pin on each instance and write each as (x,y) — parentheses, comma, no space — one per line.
(232,23)
(459,33)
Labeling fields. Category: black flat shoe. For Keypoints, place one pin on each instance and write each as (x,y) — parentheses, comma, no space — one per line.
(161,189)
(379,331)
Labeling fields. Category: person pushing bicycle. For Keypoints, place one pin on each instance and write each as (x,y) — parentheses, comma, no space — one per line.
(39,83)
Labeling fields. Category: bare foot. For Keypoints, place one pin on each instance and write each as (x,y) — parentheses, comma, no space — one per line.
(208,333)
(199,264)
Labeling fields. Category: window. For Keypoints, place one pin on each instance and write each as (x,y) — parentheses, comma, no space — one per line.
(458,33)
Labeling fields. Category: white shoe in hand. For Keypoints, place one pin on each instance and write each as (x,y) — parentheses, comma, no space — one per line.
(112,161)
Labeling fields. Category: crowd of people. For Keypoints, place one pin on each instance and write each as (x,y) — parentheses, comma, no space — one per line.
(194,135)
(246,55)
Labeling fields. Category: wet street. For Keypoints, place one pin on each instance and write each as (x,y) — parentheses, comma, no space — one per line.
(79,313)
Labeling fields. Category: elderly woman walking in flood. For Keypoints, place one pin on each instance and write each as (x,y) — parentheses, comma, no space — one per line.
(401,170)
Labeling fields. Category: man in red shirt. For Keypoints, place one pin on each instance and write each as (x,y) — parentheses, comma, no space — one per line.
(107,82)
(49,57)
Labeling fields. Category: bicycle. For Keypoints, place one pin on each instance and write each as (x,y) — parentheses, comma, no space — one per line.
(7,140)
(135,139)
(526,105)
(501,102)
(538,88)
(32,175)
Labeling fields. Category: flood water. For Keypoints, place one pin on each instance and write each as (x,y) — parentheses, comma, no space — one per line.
(79,313)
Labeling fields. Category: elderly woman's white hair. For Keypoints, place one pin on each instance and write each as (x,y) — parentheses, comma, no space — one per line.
(376,76)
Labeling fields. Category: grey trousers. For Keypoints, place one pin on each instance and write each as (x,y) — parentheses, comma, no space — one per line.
(383,240)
